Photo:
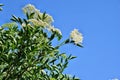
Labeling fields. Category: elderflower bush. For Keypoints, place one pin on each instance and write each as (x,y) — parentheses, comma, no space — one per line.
(26,50)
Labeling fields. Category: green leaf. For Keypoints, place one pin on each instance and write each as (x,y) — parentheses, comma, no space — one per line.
(59,37)
(39,17)
(14,18)
(65,65)
(52,36)
(0,7)
(76,79)
(5,69)
(79,45)
(31,15)
(67,41)
(53,61)
(20,20)
(26,22)
(44,16)
(72,57)
(69,56)
(46,61)
(27,15)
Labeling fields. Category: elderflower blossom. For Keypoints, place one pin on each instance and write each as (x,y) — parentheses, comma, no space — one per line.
(53,29)
(38,22)
(28,9)
(48,19)
(76,36)
(46,23)
(24,24)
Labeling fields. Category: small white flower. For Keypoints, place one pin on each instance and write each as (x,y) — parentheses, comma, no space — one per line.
(38,22)
(31,9)
(115,79)
(35,21)
(48,19)
(58,31)
(23,24)
(76,36)
(53,29)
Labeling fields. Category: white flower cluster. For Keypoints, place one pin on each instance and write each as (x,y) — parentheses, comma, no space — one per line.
(115,79)
(37,22)
(46,23)
(53,29)
(28,9)
(76,36)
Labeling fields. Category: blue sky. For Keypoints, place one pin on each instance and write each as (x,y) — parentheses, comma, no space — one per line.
(97,20)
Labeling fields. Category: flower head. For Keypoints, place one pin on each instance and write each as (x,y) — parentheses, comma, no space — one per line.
(29,9)
(40,19)
(37,22)
(53,29)
(76,36)
(48,19)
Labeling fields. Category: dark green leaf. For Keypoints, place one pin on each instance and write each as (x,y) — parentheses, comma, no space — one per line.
(31,15)
(26,22)
(20,20)
(67,41)
(72,57)
(52,36)
(53,61)
(5,69)
(79,45)
(44,16)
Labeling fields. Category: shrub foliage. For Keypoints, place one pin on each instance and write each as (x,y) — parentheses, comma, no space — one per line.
(26,50)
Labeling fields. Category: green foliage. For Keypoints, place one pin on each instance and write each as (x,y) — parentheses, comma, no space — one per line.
(0,7)
(27,53)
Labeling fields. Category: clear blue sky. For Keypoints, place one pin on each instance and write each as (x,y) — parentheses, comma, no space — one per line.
(97,20)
